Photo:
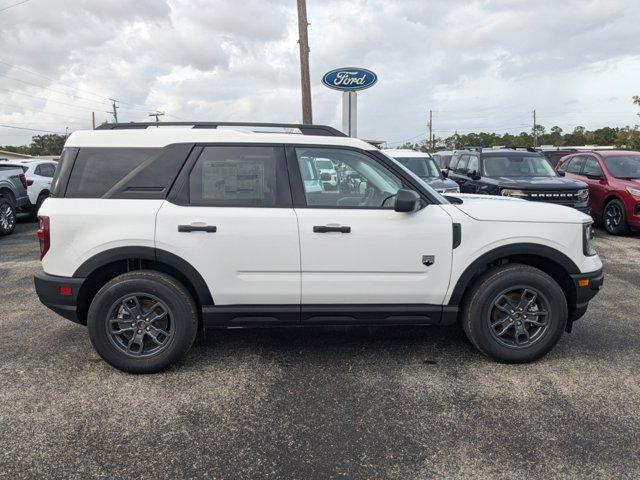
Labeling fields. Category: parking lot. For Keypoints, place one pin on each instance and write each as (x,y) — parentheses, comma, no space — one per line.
(402,402)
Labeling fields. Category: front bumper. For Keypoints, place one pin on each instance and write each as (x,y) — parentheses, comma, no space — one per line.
(48,288)
(586,285)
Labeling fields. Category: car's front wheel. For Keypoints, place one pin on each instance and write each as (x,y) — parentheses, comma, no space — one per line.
(142,321)
(515,313)
(614,218)
(7,217)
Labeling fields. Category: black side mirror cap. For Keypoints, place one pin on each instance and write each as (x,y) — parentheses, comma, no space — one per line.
(407,201)
(474,175)
(445,172)
(561,173)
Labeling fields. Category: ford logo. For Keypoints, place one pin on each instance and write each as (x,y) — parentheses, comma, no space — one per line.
(349,79)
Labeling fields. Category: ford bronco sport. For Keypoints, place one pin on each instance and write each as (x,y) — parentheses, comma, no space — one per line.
(152,233)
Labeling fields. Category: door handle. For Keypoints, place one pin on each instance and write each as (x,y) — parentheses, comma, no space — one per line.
(329,228)
(197,228)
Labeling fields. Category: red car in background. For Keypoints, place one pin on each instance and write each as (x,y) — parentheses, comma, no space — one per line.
(613,177)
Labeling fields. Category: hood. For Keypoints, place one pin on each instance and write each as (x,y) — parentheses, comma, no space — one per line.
(440,183)
(535,183)
(493,208)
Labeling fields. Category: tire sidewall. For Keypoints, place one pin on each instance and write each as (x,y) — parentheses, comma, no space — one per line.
(169,291)
(620,229)
(3,202)
(481,303)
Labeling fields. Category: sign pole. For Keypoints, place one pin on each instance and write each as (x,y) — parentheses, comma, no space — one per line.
(350,113)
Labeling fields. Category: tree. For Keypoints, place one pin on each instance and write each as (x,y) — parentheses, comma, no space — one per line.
(50,144)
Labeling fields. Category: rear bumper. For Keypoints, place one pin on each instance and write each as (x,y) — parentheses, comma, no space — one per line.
(48,290)
(584,294)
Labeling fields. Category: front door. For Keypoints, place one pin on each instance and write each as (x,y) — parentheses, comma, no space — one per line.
(355,249)
(237,226)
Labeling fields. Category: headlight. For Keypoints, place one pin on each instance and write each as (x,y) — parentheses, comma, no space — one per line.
(634,191)
(583,194)
(507,192)
(587,236)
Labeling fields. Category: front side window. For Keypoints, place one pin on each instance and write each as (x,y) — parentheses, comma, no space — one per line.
(591,167)
(624,166)
(461,167)
(423,167)
(575,165)
(361,181)
(517,166)
(472,166)
(240,176)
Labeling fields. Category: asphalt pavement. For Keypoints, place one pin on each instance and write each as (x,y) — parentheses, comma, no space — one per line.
(345,403)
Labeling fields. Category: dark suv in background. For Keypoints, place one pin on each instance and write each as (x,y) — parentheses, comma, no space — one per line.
(522,173)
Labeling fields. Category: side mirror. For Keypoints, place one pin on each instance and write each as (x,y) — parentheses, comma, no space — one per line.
(473,175)
(561,173)
(445,172)
(592,176)
(325,177)
(407,201)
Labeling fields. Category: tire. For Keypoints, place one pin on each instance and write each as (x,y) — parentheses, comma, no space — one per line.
(7,217)
(614,218)
(511,281)
(41,198)
(138,344)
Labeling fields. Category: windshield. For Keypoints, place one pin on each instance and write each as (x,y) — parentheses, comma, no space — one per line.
(517,166)
(424,167)
(422,183)
(624,166)
(325,164)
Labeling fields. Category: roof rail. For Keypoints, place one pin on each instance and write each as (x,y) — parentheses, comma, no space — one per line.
(305,129)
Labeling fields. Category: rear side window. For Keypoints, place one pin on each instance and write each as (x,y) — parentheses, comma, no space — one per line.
(45,170)
(97,170)
(240,176)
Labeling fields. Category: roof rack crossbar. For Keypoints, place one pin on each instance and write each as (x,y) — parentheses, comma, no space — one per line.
(305,129)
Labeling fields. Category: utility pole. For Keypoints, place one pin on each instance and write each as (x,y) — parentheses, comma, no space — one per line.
(535,131)
(430,126)
(303,40)
(158,114)
(115,110)
(455,140)
(93,119)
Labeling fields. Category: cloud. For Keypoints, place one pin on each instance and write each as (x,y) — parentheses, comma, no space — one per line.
(477,64)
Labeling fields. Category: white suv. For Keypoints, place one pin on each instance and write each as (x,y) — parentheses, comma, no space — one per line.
(153,233)
(39,174)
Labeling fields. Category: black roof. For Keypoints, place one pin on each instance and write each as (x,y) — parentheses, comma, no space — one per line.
(305,129)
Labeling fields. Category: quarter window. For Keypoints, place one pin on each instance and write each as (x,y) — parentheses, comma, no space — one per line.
(240,176)
(356,180)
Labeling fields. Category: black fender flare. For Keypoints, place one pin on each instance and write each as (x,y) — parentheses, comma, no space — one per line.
(529,249)
(153,254)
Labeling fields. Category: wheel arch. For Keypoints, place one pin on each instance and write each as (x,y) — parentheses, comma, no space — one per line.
(106,265)
(549,260)
(5,192)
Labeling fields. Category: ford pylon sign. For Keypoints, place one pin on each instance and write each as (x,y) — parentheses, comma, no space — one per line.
(349,79)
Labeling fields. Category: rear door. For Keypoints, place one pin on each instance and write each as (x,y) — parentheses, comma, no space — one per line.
(355,249)
(231,217)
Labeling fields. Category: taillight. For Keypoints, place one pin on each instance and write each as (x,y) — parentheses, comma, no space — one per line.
(29,183)
(23,180)
(44,235)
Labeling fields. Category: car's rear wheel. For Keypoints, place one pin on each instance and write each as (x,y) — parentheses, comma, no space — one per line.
(515,313)
(614,218)
(7,217)
(142,321)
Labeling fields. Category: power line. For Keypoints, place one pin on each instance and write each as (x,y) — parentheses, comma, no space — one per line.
(30,129)
(14,5)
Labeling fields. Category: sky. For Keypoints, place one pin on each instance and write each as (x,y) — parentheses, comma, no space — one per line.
(480,65)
